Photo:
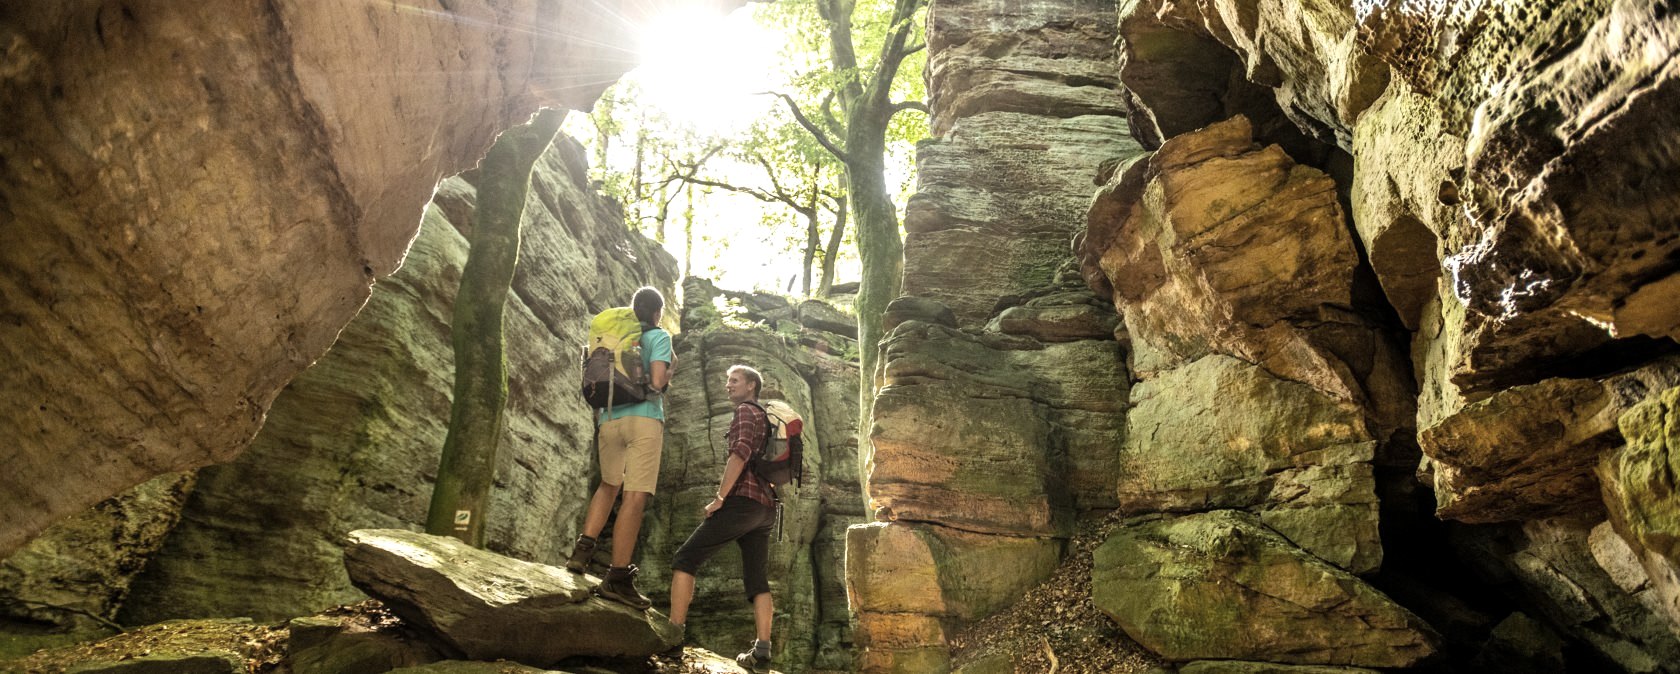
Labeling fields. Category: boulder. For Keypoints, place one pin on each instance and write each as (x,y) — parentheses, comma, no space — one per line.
(198,199)
(485,606)
(82,567)
(1220,433)
(1222,585)
(357,643)
(1638,483)
(906,582)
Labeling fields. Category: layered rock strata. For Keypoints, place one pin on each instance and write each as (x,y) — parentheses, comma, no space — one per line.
(1260,390)
(354,441)
(191,220)
(1511,190)
(1003,384)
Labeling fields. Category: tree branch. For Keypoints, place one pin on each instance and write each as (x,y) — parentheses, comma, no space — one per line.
(799,116)
(901,106)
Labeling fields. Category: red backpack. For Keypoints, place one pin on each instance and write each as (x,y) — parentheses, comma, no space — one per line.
(782,457)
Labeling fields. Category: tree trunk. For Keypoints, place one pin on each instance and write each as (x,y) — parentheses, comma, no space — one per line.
(831,254)
(688,232)
(468,463)
(813,239)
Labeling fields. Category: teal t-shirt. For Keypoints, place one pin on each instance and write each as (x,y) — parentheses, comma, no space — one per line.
(656,346)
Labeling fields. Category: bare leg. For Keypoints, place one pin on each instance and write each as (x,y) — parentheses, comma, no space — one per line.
(628,526)
(600,506)
(763,612)
(682,592)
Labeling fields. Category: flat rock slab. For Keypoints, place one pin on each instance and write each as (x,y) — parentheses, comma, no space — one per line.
(490,607)
(1222,585)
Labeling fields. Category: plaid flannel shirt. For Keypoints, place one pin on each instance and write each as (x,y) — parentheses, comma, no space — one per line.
(745,436)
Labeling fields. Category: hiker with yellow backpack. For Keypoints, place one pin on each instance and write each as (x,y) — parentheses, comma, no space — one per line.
(627,366)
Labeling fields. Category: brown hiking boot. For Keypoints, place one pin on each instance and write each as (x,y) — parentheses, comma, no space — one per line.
(620,586)
(582,552)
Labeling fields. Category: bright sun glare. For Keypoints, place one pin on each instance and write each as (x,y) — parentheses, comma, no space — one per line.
(707,68)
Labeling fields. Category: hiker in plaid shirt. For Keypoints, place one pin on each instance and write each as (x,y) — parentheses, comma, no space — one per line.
(743,511)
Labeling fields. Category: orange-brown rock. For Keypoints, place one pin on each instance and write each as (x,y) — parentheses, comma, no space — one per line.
(196,197)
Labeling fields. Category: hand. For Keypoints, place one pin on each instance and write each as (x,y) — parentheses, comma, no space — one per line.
(713,506)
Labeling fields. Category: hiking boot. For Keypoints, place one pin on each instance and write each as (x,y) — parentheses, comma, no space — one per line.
(620,586)
(582,552)
(753,661)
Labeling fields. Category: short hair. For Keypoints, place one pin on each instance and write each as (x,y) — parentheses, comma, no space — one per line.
(647,304)
(751,375)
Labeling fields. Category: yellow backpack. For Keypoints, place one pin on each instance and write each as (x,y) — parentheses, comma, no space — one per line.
(612,360)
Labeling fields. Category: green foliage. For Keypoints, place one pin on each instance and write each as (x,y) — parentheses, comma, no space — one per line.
(652,163)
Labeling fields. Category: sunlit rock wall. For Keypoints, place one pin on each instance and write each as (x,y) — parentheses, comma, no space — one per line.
(197,197)
(1509,172)
(354,441)
(815,371)
(1000,414)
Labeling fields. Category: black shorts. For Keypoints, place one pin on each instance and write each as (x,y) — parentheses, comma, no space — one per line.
(743,520)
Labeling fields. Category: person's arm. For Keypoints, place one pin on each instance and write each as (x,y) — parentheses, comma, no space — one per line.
(731,473)
(659,376)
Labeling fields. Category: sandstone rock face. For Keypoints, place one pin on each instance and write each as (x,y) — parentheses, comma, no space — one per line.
(82,566)
(813,628)
(1024,108)
(1262,389)
(354,441)
(1579,583)
(1639,488)
(487,607)
(999,416)
(1190,64)
(191,221)
(1528,452)
(1250,595)
(1220,433)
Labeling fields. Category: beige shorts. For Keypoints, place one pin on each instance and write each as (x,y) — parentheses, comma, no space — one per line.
(630,448)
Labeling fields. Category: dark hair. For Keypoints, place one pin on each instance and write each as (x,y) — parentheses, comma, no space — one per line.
(751,375)
(647,304)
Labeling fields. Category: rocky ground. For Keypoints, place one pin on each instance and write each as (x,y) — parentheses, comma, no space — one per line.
(1055,628)
(264,647)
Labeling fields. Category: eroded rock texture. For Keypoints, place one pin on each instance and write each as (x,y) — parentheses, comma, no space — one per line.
(354,441)
(1509,172)
(196,198)
(1004,384)
(1250,595)
(80,569)
(1260,389)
